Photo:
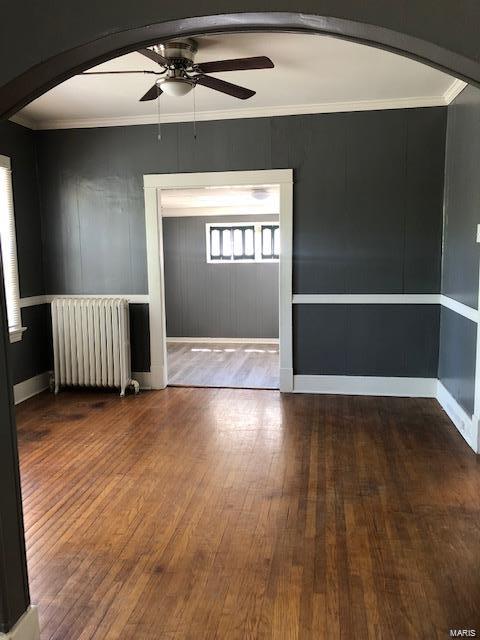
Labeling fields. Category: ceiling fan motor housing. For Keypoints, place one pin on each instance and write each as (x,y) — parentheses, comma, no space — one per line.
(181,53)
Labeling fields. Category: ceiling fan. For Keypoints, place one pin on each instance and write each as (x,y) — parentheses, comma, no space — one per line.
(179,73)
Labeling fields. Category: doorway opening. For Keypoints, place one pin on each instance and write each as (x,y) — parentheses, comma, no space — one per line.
(219,249)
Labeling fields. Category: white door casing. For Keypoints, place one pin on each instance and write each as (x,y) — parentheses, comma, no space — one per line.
(153,185)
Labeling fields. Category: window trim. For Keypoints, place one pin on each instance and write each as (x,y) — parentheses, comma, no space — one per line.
(15,332)
(258,259)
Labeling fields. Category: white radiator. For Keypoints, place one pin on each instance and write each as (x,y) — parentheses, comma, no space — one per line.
(91,343)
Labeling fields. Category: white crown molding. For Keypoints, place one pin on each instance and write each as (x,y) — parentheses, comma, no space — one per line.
(253,112)
(454,90)
(24,121)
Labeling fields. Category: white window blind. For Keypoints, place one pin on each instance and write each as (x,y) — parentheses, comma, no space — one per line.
(9,246)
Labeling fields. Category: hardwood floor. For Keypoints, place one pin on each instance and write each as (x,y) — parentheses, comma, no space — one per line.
(251,366)
(220,513)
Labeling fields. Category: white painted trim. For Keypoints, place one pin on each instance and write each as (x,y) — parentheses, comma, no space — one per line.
(460,308)
(387,298)
(189,340)
(217,179)
(31,387)
(454,90)
(132,298)
(16,335)
(360,298)
(24,121)
(476,399)
(143,378)
(285,324)
(33,301)
(249,112)
(466,425)
(204,212)
(366,386)
(27,627)
(153,185)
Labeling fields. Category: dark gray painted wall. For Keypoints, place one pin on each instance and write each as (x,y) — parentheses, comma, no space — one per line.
(18,143)
(30,356)
(216,300)
(460,250)
(367,198)
(370,340)
(33,354)
(458,340)
(462,199)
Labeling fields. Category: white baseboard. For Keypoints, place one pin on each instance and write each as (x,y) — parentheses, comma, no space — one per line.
(27,628)
(226,340)
(28,388)
(143,378)
(366,386)
(466,425)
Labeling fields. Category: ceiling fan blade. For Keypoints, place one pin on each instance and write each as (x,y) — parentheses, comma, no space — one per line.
(216,84)
(237,64)
(153,55)
(103,73)
(152,94)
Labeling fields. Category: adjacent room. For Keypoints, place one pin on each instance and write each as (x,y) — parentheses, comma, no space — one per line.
(221,250)
(241,278)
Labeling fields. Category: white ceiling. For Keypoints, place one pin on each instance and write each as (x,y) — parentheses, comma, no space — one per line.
(220,200)
(312,74)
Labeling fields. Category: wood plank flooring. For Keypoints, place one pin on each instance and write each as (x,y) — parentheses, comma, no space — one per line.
(251,366)
(223,513)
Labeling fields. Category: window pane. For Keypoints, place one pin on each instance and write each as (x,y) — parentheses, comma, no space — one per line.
(237,242)
(249,242)
(276,241)
(267,242)
(215,243)
(226,243)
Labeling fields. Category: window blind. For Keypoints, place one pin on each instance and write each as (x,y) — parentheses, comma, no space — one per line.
(9,245)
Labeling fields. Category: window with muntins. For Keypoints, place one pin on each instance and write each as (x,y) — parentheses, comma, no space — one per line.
(243,242)
(9,250)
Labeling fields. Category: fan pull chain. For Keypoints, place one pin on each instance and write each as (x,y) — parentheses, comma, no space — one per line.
(159,115)
(194,115)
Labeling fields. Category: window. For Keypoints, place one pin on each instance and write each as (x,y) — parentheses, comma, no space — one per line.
(243,242)
(270,241)
(9,251)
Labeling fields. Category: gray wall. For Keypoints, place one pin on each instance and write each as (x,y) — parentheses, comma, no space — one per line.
(368,199)
(461,252)
(216,300)
(32,355)
(366,340)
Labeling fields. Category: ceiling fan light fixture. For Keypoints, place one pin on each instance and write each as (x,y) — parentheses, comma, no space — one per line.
(260,193)
(175,87)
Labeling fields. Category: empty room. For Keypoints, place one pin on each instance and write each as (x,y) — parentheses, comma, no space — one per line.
(240,359)
(221,251)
